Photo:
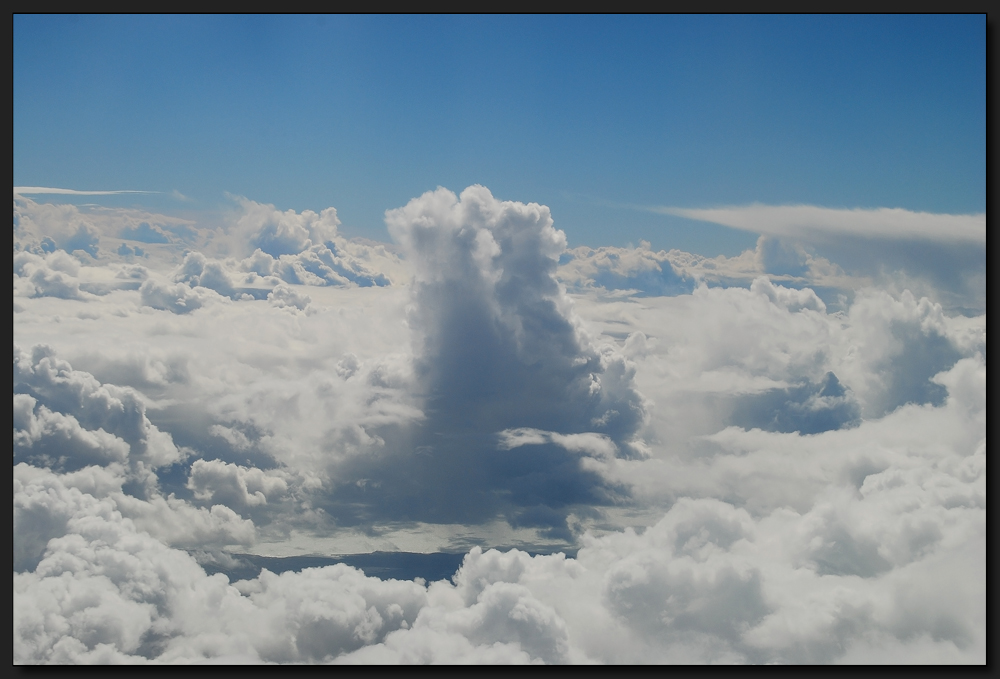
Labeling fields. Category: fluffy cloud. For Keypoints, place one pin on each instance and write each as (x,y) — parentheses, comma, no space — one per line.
(177,297)
(748,469)
(56,400)
(45,227)
(639,269)
(57,440)
(234,486)
(300,248)
(858,572)
(52,276)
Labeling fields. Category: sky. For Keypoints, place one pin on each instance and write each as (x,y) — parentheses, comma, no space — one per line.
(499,339)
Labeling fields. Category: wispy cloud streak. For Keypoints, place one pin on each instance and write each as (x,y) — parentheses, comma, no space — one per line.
(812,220)
(28,190)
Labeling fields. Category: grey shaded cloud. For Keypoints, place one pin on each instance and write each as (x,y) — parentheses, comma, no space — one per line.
(496,347)
(497,344)
(144,232)
(105,410)
(57,441)
(807,409)
(128,251)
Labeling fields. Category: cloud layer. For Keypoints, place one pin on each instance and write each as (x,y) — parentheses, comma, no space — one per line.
(745,467)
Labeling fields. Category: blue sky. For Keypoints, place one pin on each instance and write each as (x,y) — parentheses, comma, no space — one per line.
(596,117)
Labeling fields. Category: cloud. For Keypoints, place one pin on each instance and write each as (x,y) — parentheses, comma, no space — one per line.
(594,445)
(233,486)
(939,256)
(58,441)
(281,233)
(178,298)
(197,270)
(45,227)
(710,581)
(808,408)
(42,378)
(31,190)
(640,269)
(813,221)
(285,297)
(145,233)
(486,299)
(53,276)
(300,248)
(496,347)
(740,467)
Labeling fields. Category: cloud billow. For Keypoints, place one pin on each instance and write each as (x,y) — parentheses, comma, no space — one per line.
(81,414)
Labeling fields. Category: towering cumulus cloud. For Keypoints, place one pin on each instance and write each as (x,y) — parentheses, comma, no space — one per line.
(503,372)
(498,345)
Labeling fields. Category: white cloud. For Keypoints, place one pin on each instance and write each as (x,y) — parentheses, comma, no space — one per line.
(31,190)
(232,485)
(801,480)
(57,440)
(939,256)
(810,220)
(286,297)
(589,443)
(654,273)
(105,409)
(301,248)
(177,298)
